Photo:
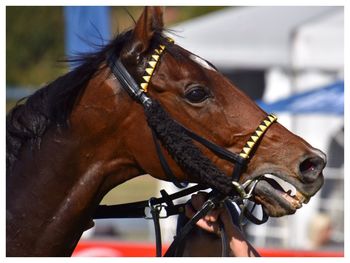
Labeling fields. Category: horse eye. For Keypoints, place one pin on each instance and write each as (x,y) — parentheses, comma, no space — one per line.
(197,95)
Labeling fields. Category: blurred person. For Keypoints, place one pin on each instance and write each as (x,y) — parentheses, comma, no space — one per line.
(320,231)
(332,192)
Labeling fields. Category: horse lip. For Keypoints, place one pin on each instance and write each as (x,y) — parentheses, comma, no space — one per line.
(277,202)
(302,194)
(294,193)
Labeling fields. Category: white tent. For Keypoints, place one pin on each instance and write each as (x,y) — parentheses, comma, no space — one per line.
(247,37)
(311,40)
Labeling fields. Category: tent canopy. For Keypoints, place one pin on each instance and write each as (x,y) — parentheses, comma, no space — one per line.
(325,100)
(320,43)
(251,37)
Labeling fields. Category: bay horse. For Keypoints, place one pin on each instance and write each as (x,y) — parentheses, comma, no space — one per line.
(81,135)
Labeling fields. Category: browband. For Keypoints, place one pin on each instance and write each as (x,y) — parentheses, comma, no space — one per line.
(152,63)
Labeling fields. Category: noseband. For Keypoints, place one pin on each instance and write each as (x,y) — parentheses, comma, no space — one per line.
(237,193)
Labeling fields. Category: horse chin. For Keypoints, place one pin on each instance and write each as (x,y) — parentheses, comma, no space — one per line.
(278,197)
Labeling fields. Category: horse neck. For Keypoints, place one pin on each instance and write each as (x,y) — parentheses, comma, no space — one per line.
(53,191)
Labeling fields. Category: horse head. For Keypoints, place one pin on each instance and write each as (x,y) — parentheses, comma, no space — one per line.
(199,97)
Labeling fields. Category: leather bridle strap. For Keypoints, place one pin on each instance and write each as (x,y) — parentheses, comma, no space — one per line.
(137,209)
(248,215)
(127,81)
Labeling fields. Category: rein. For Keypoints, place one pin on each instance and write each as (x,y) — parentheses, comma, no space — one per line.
(153,208)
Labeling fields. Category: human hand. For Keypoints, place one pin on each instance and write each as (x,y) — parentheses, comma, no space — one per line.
(209,222)
(239,246)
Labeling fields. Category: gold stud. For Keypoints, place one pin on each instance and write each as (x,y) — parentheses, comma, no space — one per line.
(245,156)
(272,117)
(267,123)
(162,47)
(147,78)
(144,86)
(149,70)
(255,138)
(157,51)
(262,127)
(152,63)
(155,57)
(250,144)
(171,40)
(259,133)
(246,150)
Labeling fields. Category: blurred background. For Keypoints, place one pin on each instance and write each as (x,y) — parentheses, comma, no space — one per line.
(290,60)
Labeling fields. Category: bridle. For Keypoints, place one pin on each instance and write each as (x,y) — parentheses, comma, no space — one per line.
(239,191)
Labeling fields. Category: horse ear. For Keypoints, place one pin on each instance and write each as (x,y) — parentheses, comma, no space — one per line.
(150,21)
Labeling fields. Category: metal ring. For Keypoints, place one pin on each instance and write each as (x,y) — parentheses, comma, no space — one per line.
(150,205)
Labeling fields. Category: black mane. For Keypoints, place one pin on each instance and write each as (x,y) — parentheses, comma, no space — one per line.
(52,104)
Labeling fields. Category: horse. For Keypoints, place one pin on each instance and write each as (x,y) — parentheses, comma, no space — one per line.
(81,135)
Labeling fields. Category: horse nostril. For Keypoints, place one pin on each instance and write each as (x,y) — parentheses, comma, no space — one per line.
(310,168)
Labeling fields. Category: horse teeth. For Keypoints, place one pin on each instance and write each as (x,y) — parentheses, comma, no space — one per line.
(291,190)
(287,187)
(301,198)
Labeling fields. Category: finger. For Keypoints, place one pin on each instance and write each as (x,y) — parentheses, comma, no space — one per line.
(213,215)
(208,226)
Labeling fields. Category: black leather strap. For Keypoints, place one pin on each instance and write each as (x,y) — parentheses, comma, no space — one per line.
(249,215)
(224,240)
(127,81)
(155,211)
(137,209)
(218,150)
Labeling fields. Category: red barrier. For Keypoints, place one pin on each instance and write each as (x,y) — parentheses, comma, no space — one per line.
(115,249)
(95,248)
(298,253)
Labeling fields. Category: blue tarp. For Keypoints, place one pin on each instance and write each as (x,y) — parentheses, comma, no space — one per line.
(86,28)
(325,100)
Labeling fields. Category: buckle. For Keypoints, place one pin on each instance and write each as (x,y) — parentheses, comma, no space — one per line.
(155,208)
(240,188)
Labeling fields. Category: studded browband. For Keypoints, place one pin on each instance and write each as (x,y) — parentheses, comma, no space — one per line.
(151,65)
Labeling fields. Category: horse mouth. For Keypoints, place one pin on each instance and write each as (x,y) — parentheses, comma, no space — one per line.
(279,197)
